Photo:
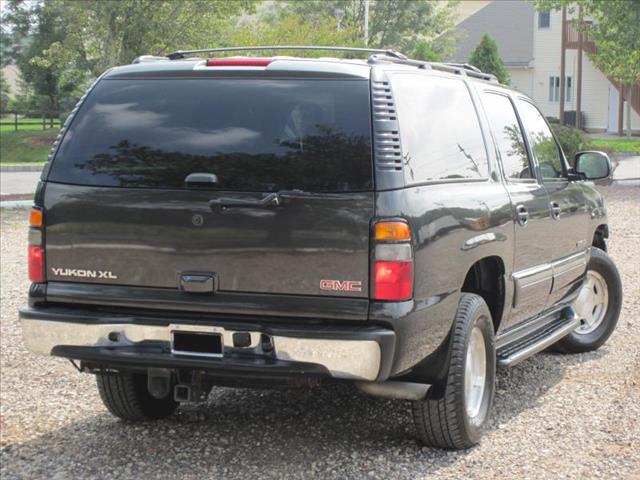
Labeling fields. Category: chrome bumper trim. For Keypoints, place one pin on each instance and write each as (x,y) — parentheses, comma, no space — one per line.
(348,359)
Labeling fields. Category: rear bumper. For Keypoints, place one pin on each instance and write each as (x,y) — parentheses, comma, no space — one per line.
(126,341)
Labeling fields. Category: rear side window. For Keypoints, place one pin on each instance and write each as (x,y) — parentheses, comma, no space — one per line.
(253,134)
(508,136)
(439,130)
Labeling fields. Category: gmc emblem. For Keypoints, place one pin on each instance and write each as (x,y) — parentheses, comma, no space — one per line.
(341,285)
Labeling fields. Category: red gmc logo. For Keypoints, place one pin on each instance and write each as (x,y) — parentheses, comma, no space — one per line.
(341,285)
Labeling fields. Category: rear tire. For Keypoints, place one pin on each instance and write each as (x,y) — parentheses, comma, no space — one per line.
(456,420)
(603,309)
(126,396)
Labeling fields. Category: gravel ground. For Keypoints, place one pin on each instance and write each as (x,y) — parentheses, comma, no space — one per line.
(555,416)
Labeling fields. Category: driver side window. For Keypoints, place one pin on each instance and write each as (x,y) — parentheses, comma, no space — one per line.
(544,146)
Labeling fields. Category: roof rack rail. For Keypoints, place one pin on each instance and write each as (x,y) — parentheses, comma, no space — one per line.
(458,68)
(388,52)
(378,55)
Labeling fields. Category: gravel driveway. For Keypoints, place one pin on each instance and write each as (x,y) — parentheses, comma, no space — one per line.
(555,416)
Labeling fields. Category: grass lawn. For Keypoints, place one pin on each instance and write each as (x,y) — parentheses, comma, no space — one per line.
(31,124)
(627,145)
(26,146)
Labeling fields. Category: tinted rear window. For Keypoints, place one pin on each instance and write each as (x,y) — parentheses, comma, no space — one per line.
(254,135)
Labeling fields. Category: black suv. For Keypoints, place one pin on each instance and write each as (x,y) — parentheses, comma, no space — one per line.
(252,221)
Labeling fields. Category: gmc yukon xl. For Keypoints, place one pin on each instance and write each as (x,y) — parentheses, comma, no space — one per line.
(258,221)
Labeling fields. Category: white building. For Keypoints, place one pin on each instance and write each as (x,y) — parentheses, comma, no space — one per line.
(12,77)
(529,43)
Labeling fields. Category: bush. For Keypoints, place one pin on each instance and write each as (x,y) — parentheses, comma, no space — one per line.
(571,139)
(486,58)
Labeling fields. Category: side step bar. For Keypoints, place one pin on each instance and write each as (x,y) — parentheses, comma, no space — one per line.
(517,351)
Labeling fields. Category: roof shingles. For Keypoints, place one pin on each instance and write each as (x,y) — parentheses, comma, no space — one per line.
(509,22)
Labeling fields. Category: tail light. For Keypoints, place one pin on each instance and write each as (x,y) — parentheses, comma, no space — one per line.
(393,262)
(239,62)
(36,246)
(36,264)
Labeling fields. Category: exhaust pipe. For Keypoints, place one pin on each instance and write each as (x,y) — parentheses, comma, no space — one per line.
(395,390)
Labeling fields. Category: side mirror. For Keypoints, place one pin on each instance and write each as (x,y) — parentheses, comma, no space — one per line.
(593,165)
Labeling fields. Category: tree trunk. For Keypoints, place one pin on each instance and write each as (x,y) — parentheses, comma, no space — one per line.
(628,97)
(620,87)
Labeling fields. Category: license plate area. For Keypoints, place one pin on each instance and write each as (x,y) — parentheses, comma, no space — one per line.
(202,344)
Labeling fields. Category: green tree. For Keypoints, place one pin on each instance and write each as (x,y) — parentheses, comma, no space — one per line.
(106,33)
(280,27)
(486,58)
(614,27)
(414,27)
(425,50)
(62,45)
(15,25)
(34,27)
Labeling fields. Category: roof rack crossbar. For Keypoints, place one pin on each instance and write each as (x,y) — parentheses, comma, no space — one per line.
(182,53)
(465,69)
(466,66)
(458,68)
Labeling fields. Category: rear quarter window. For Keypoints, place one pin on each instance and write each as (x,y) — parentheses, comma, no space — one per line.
(439,130)
(253,134)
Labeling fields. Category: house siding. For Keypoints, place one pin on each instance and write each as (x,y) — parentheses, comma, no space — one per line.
(12,77)
(546,53)
(522,80)
(595,85)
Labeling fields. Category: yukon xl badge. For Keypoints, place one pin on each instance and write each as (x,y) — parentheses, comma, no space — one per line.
(80,273)
(341,285)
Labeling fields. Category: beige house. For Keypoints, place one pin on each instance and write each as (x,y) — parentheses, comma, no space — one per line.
(12,75)
(529,43)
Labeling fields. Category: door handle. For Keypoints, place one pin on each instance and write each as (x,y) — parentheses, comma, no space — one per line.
(522,214)
(201,179)
(555,210)
(197,282)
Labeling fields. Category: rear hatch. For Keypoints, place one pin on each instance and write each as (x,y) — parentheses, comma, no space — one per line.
(255,191)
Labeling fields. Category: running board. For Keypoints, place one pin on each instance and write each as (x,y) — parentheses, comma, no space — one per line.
(521,349)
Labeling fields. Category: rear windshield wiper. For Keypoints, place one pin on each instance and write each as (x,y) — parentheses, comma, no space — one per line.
(273,199)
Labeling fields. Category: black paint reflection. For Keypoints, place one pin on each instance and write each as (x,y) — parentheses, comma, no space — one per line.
(332,161)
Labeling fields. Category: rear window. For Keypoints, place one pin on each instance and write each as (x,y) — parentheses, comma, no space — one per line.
(439,130)
(253,134)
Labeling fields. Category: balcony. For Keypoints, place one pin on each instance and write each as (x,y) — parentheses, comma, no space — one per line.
(573,35)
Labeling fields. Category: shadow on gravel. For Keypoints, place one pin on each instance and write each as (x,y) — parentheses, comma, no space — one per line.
(332,432)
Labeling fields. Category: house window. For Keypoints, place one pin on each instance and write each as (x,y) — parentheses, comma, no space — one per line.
(554,89)
(544,19)
(554,83)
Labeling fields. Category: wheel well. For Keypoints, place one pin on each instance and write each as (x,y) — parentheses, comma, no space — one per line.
(486,278)
(601,233)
